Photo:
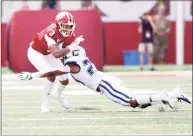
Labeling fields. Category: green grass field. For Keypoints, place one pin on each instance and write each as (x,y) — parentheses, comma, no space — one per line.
(91,113)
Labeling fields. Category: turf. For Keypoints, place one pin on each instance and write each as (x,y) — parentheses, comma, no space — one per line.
(91,113)
(122,68)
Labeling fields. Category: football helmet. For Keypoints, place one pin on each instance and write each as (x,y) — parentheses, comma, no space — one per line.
(65,22)
(78,52)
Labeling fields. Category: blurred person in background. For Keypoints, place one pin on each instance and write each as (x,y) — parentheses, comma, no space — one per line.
(146,28)
(50,4)
(162,25)
(24,5)
(90,4)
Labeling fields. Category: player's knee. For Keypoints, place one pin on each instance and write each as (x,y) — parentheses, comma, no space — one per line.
(51,79)
(133,103)
(65,82)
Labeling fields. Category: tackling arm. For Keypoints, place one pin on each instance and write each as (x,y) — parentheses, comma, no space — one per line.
(49,72)
(44,74)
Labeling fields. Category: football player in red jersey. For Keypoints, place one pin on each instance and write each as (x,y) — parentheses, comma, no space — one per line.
(55,41)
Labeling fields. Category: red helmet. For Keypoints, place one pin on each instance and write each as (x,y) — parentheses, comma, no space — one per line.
(65,22)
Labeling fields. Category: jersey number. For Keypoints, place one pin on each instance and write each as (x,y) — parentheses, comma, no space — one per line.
(75,52)
(52,33)
(90,69)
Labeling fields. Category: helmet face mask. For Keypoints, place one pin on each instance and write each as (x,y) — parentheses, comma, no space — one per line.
(65,22)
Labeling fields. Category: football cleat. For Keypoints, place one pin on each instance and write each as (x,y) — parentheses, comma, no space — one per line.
(180,95)
(64,103)
(60,98)
(45,108)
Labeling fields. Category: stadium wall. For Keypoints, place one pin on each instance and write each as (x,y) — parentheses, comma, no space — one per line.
(124,36)
(25,24)
(3,45)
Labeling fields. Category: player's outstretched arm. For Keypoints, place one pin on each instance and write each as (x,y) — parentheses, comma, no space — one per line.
(44,74)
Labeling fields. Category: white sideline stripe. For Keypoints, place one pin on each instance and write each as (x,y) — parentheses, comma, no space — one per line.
(40,83)
(85,92)
(96,126)
(37,87)
(96,118)
(40,113)
(35,102)
(81,87)
(178,73)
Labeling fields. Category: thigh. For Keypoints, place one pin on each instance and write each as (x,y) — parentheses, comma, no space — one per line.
(150,48)
(57,64)
(38,60)
(141,48)
(116,92)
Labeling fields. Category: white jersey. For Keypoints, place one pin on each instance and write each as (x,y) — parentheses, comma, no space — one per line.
(88,74)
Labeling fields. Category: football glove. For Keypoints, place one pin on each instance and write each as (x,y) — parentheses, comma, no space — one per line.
(25,76)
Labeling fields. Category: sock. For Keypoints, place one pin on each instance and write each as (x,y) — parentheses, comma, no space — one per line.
(172,95)
(58,89)
(143,99)
(47,90)
(162,96)
(156,98)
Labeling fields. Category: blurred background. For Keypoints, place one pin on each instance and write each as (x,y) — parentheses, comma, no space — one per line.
(117,31)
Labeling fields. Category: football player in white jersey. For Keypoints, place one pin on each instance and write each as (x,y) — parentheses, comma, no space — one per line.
(85,72)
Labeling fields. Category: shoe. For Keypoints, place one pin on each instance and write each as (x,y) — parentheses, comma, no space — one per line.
(45,108)
(180,95)
(64,102)
(152,69)
(60,98)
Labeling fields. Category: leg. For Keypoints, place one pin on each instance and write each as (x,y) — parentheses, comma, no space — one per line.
(59,88)
(43,63)
(144,101)
(115,93)
(48,85)
(122,96)
(162,53)
(141,61)
(156,48)
(150,56)
(163,48)
(141,50)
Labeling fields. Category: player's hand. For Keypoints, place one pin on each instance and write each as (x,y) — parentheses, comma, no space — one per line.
(78,40)
(25,76)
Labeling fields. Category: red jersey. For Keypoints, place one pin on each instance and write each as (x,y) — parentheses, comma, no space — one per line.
(49,36)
